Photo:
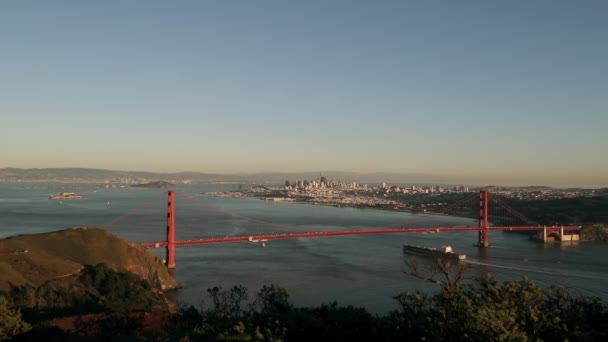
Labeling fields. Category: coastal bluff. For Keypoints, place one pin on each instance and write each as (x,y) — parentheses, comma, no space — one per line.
(36,259)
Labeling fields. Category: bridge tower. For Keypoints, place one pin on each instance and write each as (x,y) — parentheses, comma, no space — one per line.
(483,219)
(170,260)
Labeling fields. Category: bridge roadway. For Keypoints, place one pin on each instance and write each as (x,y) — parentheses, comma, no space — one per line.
(329,233)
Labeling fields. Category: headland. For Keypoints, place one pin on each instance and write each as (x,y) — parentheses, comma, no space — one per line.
(41,270)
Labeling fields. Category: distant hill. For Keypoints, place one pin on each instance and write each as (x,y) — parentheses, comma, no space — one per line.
(80,174)
(77,175)
(100,175)
(523,188)
(156,185)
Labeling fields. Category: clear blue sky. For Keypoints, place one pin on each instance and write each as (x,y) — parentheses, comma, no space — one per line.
(511,92)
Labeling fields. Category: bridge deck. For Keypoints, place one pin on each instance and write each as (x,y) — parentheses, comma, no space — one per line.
(329,233)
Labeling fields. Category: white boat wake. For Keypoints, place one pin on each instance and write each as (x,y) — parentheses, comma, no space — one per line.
(550,272)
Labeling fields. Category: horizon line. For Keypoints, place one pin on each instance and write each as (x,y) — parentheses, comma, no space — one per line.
(438,179)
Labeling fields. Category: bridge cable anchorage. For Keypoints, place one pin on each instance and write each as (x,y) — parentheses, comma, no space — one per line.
(132,212)
(513,211)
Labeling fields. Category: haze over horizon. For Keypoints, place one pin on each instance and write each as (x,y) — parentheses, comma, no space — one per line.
(497,92)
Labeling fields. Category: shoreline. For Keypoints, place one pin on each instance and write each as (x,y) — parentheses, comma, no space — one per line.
(300,200)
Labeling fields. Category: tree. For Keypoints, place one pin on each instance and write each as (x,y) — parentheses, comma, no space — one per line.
(511,311)
(11,323)
(226,303)
(272,299)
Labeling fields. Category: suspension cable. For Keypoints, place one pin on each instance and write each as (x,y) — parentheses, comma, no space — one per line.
(290,227)
(442,211)
(246,218)
(513,211)
(132,211)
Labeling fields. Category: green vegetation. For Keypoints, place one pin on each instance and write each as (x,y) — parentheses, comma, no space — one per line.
(52,275)
(47,277)
(96,289)
(11,323)
(488,311)
(118,292)
(584,211)
(483,311)
(565,211)
(595,233)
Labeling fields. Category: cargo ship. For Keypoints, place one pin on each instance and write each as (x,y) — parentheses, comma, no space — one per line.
(444,252)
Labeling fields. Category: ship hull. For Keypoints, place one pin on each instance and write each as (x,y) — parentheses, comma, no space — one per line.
(431,252)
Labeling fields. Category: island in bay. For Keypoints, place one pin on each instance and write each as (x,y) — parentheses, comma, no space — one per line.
(66,196)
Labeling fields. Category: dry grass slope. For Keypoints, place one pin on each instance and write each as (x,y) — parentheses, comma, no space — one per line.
(62,253)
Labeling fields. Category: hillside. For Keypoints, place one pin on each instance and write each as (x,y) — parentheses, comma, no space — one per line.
(33,260)
(76,175)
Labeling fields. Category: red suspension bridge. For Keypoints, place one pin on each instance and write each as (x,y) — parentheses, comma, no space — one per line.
(480,202)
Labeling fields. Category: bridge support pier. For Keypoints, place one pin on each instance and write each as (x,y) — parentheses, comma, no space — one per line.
(484,240)
(560,234)
(170,260)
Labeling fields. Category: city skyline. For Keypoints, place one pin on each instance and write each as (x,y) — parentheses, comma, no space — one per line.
(479,92)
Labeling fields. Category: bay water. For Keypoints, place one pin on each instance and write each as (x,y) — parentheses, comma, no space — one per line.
(352,270)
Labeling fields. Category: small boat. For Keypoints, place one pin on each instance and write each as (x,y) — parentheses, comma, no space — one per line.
(262,242)
(444,252)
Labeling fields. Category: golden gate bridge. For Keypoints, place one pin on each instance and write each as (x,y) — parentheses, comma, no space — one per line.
(483,228)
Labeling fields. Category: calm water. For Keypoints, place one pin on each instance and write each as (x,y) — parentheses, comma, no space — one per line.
(364,271)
